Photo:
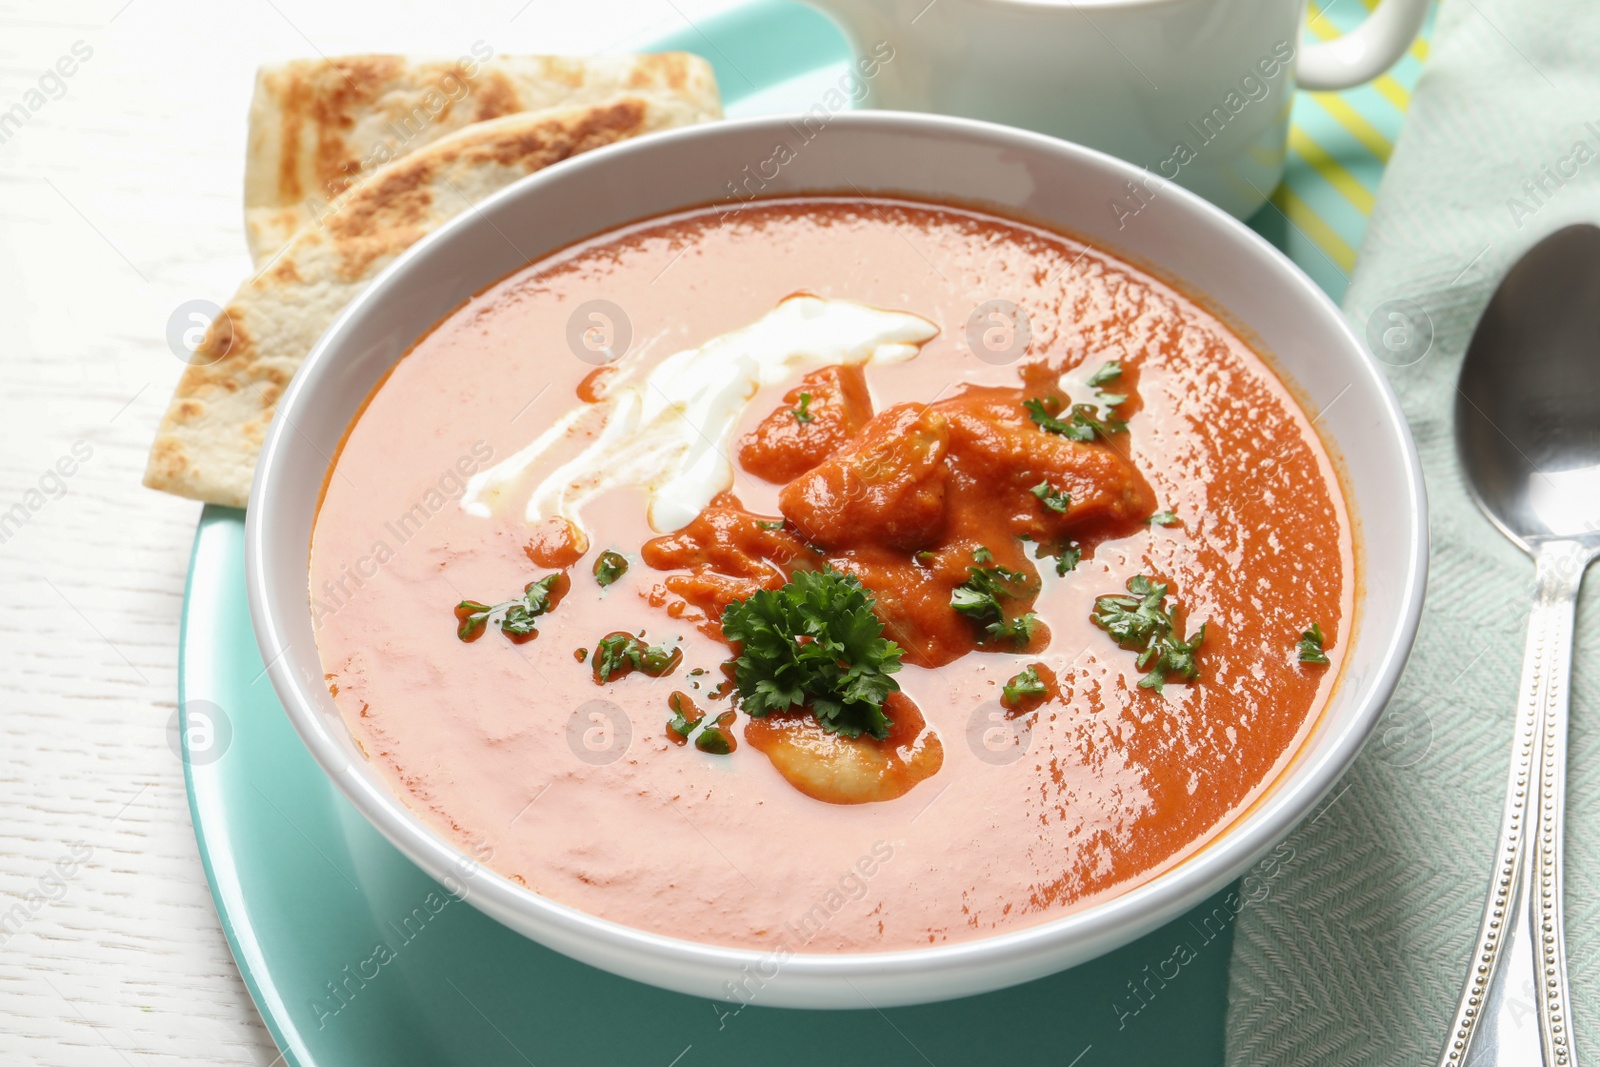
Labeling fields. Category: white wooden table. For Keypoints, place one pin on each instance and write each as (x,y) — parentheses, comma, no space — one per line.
(120,200)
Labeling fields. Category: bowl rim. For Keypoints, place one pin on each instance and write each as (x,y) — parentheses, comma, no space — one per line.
(1144,906)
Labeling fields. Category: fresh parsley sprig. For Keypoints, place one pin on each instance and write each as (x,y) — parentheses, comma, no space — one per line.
(802,414)
(514,616)
(814,644)
(1142,622)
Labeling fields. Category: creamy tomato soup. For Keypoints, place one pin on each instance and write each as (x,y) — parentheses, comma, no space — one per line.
(832,574)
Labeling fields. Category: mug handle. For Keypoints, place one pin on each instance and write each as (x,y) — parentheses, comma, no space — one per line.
(1366,51)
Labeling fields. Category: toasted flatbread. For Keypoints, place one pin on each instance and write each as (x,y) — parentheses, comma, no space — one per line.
(209,439)
(319,128)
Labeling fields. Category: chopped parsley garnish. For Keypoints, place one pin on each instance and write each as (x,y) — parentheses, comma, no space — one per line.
(1162,518)
(621,653)
(1018,630)
(980,596)
(713,740)
(1170,656)
(1083,415)
(981,554)
(1022,685)
(1081,423)
(1057,500)
(1310,646)
(716,738)
(1039,412)
(1067,557)
(774,524)
(1134,620)
(815,644)
(1109,371)
(802,414)
(515,617)
(609,567)
(1142,622)
(685,716)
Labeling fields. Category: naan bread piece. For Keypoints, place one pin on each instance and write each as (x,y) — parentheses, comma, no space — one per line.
(208,441)
(320,127)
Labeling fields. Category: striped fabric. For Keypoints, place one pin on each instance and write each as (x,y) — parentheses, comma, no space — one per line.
(1338,145)
(1336,154)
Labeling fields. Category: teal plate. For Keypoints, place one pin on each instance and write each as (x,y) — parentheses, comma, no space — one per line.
(354,956)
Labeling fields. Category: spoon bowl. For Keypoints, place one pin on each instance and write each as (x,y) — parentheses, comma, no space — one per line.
(1528,404)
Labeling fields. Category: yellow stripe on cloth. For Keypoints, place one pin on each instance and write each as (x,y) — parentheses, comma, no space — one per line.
(1393,92)
(1308,222)
(1353,121)
(1385,84)
(1332,171)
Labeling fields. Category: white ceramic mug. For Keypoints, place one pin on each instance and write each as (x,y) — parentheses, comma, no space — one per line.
(1195,91)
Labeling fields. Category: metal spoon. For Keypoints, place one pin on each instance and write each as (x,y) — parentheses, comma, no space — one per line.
(1528,434)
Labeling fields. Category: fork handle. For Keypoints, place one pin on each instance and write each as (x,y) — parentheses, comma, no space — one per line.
(1520,954)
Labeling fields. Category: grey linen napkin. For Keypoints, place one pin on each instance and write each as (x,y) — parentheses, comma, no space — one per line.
(1356,951)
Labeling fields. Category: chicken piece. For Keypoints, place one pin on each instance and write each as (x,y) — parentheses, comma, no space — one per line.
(816,419)
(845,770)
(999,454)
(887,487)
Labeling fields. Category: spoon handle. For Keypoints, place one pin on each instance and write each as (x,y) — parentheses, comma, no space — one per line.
(1518,973)
(1565,562)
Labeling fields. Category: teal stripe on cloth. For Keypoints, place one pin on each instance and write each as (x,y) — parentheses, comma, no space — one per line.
(1358,954)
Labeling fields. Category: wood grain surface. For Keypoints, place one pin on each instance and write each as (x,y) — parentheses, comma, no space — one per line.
(120,200)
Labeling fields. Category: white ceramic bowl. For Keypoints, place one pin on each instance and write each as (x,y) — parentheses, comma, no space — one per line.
(1177,235)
